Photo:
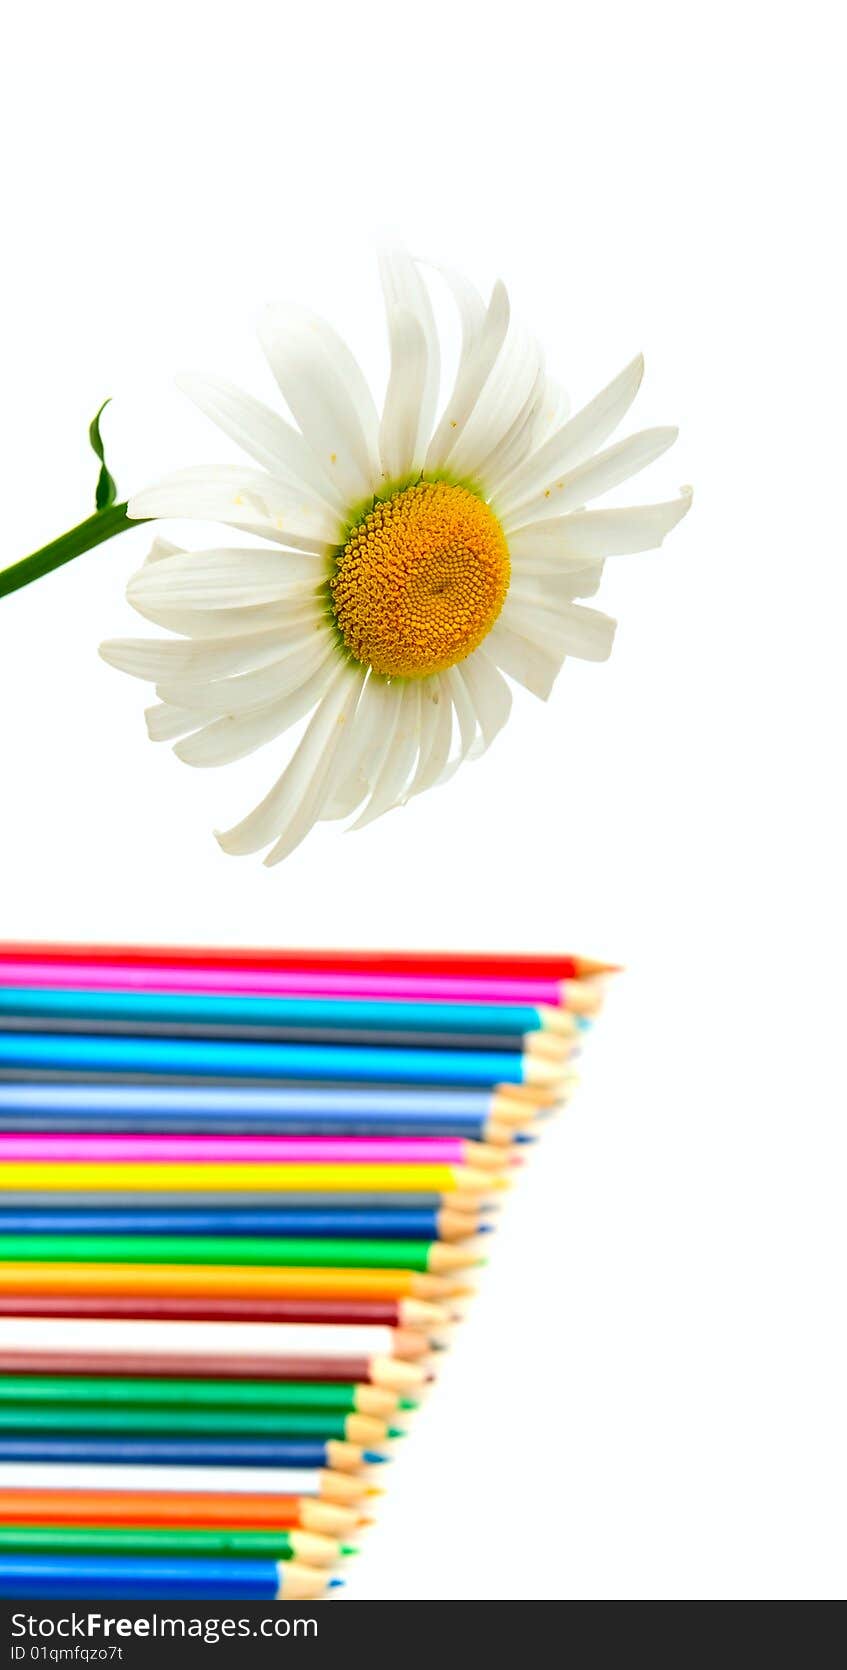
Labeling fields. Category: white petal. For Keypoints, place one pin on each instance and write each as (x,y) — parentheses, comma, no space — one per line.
(164,724)
(589,534)
(400,431)
(574,441)
(540,589)
(472,375)
(305,774)
(527,663)
(415,365)
(225,579)
(242,498)
(205,624)
(489,693)
(596,476)
(516,442)
(469,305)
(234,738)
(553,412)
(218,698)
(428,707)
(324,388)
(470,741)
(542,547)
(362,750)
(400,755)
(566,629)
(261,432)
(173,658)
(433,761)
(498,405)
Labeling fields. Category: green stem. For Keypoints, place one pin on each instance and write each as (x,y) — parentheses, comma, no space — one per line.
(104,524)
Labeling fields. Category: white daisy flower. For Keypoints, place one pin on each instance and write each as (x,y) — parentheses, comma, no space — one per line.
(416,561)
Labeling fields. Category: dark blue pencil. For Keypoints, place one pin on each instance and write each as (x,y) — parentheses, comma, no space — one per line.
(376,1226)
(303,1453)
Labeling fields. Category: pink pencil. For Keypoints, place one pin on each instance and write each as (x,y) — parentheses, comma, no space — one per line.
(78,975)
(249,1150)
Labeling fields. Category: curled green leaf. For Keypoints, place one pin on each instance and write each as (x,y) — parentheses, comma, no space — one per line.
(107,491)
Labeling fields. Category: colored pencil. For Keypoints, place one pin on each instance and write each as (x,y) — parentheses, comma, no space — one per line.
(308,1546)
(165,1150)
(489,965)
(394,1225)
(270,1340)
(167,1198)
(186,1510)
(53,1576)
(341,1490)
(233,1279)
(312,1424)
(297,1014)
(187,1178)
(98,1451)
(405,1317)
(35,1358)
(285,1252)
(71,1052)
(337,1398)
(306,1111)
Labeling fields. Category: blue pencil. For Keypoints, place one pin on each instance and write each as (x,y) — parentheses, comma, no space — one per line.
(302,1453)
(62,1052)
(306,1013)
(375,1226)
(53,1576)
(308,1110)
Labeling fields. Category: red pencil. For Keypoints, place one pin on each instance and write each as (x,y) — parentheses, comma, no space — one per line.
(197,1510)
(401,1314)
(391,1373)
(491,965)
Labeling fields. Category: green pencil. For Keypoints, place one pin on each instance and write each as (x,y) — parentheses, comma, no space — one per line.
(248,1423)
(292,1252)
(142,1539)
(337,1397)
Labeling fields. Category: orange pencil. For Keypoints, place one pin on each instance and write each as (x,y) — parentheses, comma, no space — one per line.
(242,1281)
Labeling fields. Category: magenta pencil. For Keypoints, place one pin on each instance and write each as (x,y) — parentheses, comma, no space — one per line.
(201,1150)
(78,975)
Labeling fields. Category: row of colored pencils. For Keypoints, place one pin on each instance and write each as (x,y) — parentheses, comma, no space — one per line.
(242,1196)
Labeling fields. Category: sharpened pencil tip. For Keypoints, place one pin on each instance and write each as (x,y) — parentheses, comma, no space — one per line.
(348,1549)
(486,1229)
(374,1457)
(336,1583)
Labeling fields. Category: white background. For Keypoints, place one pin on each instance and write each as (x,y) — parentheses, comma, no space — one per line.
(649,1399)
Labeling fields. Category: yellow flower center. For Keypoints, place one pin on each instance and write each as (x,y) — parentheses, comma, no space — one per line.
(421,580)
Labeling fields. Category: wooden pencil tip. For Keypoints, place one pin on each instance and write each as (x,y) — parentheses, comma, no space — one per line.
(585,996)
